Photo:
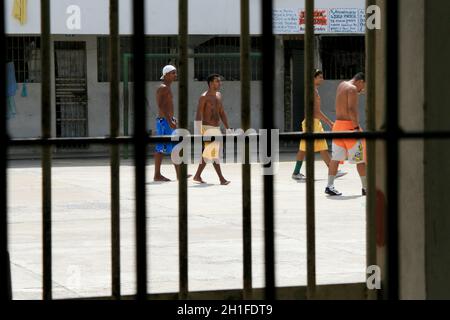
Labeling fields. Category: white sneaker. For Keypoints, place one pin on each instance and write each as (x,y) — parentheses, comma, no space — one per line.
(298,177)
(331,191)
(340,174)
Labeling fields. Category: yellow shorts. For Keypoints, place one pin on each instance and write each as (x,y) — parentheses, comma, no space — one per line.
(319,145)
(212,148)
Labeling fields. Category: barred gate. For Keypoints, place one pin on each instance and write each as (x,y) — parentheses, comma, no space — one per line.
(71,91)
(140,140)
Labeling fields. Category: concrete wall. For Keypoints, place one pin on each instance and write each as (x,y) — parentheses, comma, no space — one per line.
(27,123)
(328,99)
(222,17)
(437,153)
(424,100)
(411,112)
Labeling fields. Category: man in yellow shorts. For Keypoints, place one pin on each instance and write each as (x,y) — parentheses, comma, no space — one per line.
(209,113)
(319,145)
(347,119)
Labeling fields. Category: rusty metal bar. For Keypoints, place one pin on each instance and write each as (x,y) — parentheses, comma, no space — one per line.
(268,62)
(371,245)
(309,112)
(246,167)
(46,123)
(5,273)
(140,145)
(183,118)
(114,94)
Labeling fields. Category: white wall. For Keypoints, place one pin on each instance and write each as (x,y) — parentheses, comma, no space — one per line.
(223,17)
(27,121)
(27,124)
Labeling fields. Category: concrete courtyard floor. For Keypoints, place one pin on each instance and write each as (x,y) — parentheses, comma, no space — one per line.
(81,229)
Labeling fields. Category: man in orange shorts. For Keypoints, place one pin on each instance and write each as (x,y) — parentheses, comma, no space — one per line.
(347,119)
(319,145)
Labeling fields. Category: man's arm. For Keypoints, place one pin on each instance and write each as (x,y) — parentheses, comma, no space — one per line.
(325,119)
(353,112)
(222,113)
(318,114)
(200,109)
(199,115)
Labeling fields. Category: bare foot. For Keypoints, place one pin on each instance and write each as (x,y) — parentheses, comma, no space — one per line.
(161,178)
(198,180)
(225,182)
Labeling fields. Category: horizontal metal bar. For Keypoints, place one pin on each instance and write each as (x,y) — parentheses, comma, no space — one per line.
(289,136)
(196,55)
(350,291)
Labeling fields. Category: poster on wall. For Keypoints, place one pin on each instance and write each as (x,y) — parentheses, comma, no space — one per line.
(331,20)
(320,20)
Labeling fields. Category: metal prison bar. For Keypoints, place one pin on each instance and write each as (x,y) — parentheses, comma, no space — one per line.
(371,249)
(246,168)
(115,156)
(268,72)
(5,272)
(46,123)
(309,112)
(140,140)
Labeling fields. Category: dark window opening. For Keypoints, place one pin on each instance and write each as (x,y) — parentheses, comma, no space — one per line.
(25,53)
(342,57)
(227,64)
(160,51)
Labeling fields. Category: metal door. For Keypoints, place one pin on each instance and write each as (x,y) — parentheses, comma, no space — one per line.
(71,90)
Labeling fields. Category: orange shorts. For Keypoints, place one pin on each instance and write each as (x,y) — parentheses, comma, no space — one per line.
(352,149)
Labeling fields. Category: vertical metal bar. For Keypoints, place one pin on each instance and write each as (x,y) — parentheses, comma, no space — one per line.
(115,158)
(392,144)
(46,123)
(183,115)
(268,57)
(140,146)
(246,167)
(5,274)
(309,112)
(126,100)
(371,245)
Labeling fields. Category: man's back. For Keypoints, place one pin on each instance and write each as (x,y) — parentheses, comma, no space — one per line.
(342,112)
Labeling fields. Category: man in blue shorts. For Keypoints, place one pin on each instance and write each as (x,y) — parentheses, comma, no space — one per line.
(166,123)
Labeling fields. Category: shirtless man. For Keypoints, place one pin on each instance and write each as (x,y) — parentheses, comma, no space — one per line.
(166,123)
(319,145)
(347,119)
(209,113)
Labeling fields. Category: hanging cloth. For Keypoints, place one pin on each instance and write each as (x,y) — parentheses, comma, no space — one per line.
(11,89)
(20,11)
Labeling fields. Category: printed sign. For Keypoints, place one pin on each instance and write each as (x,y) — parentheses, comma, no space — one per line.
(331,20)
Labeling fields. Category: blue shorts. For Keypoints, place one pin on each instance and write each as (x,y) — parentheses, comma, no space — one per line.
(163,129)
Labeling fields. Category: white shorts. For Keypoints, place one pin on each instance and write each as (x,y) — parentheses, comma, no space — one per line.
(355,154)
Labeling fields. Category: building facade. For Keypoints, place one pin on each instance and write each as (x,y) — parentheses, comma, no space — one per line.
(80,101)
